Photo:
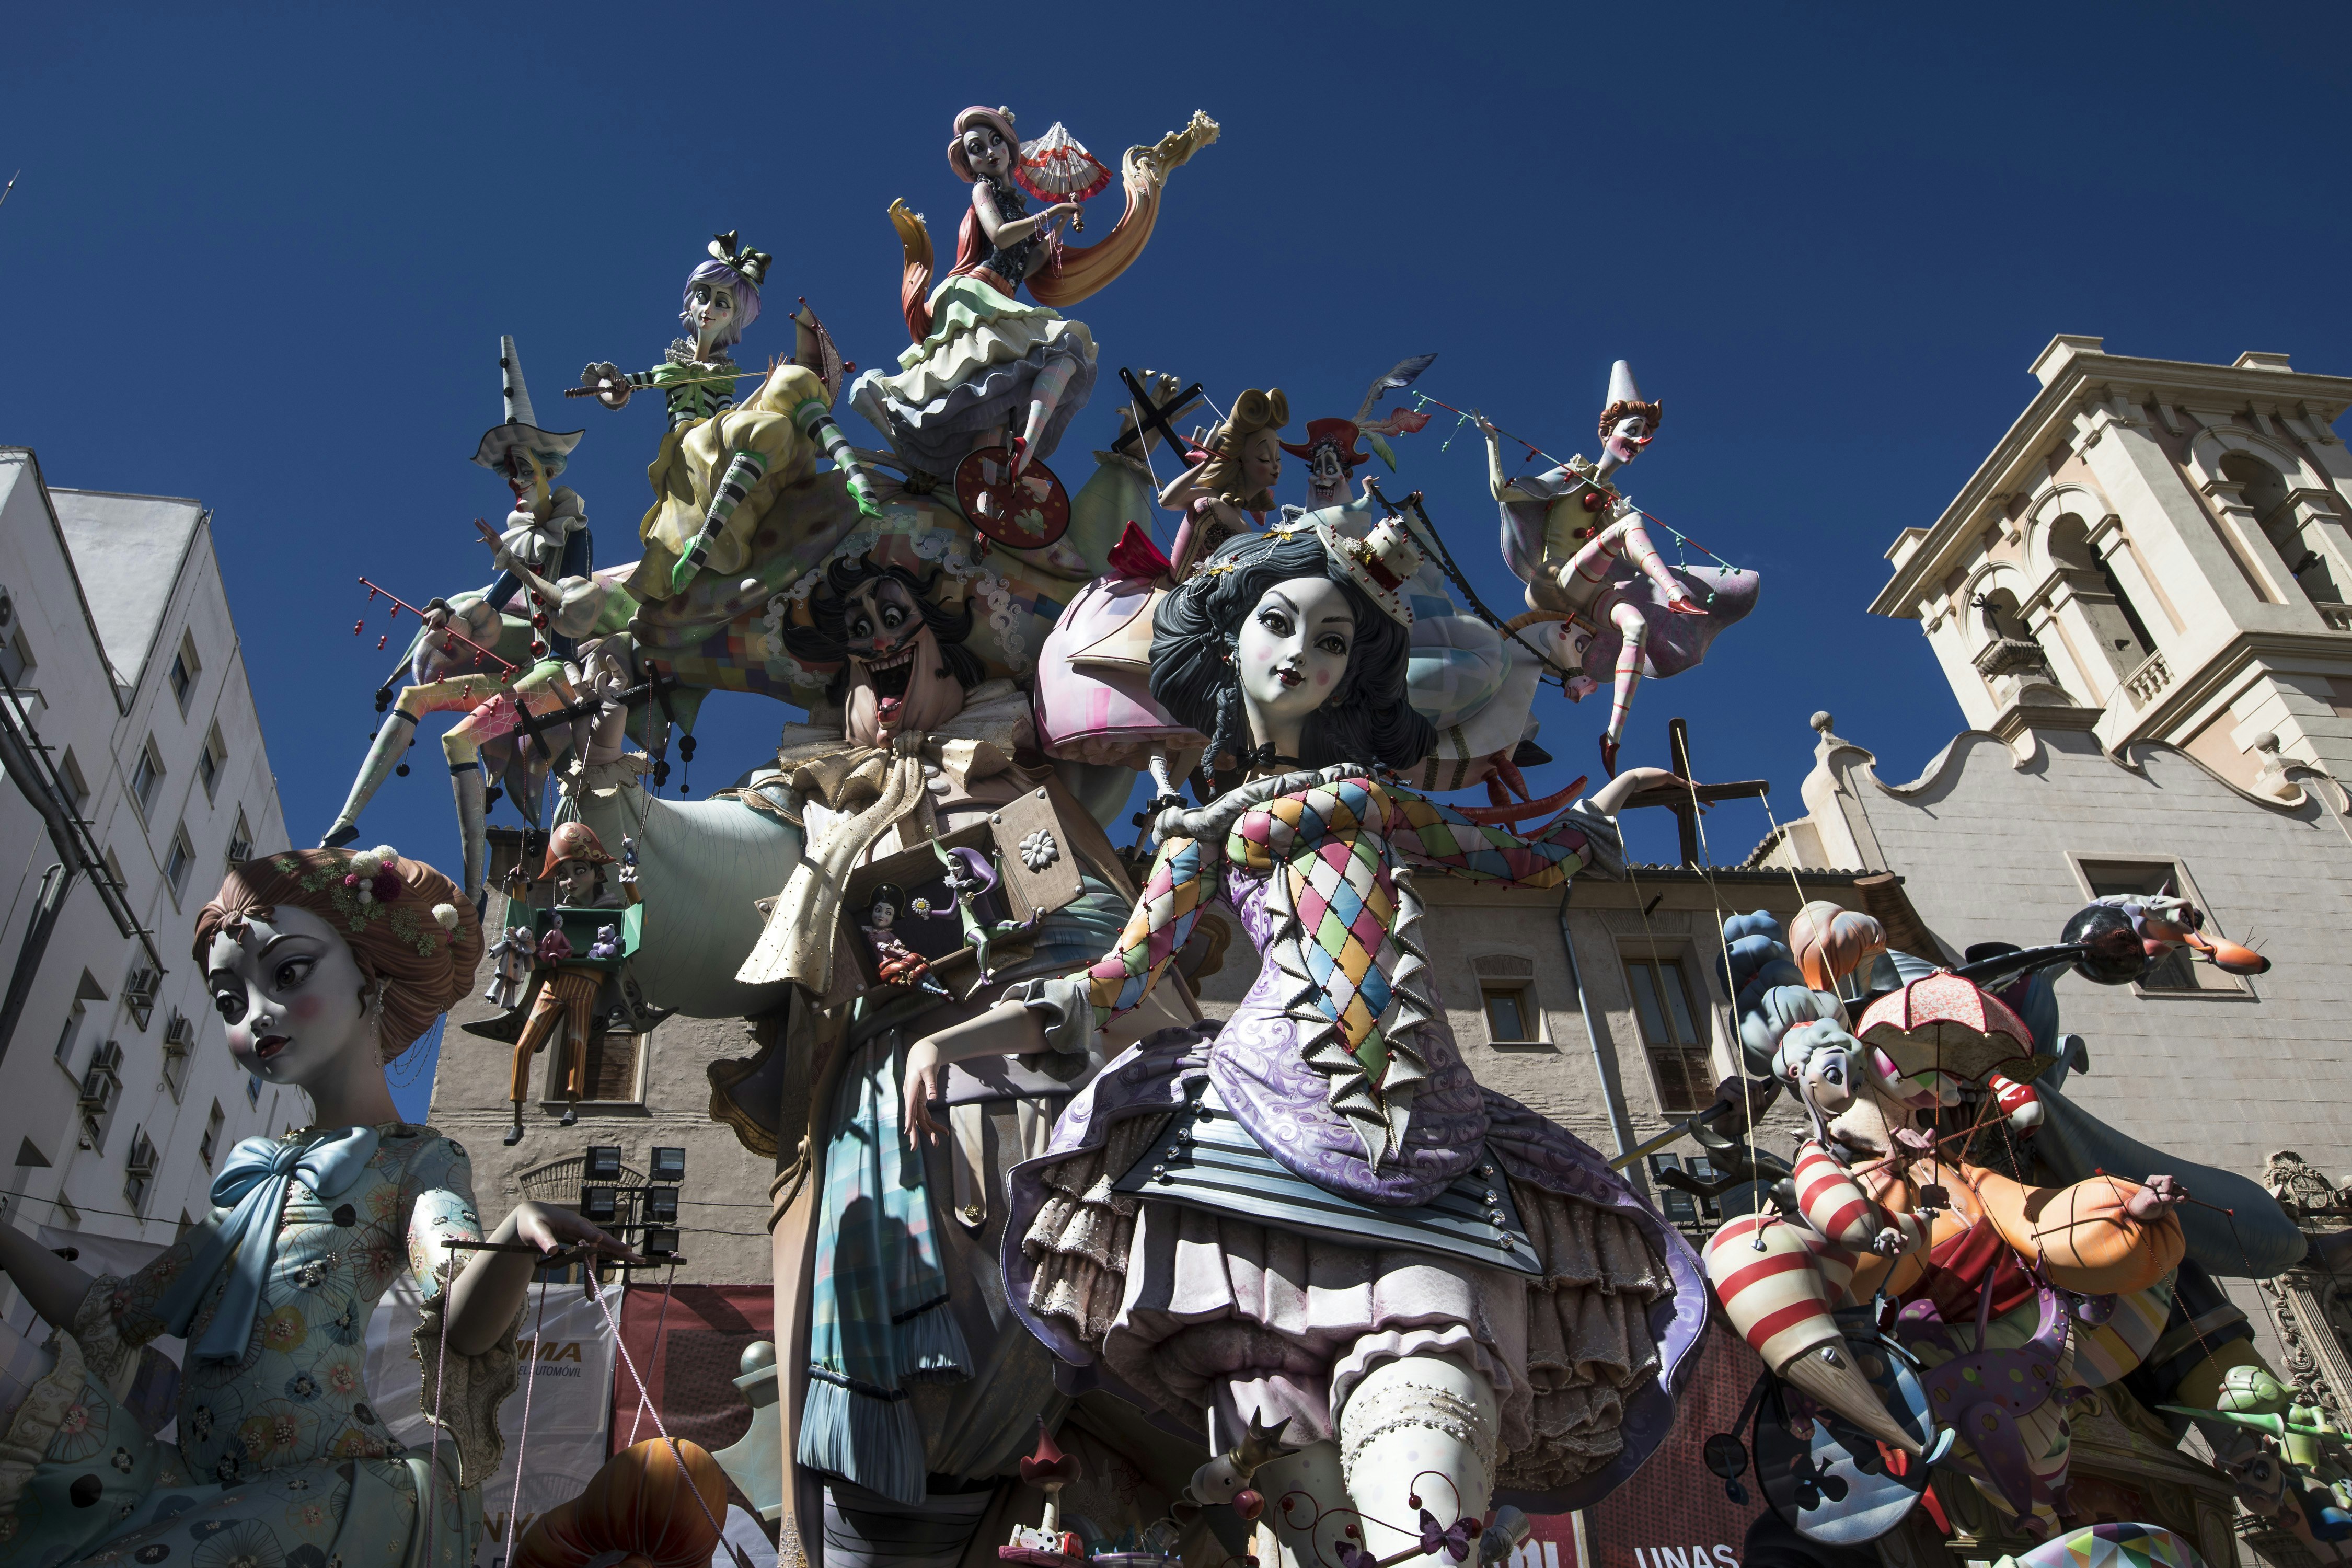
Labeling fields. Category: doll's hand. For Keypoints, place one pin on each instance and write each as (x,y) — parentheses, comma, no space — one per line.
(615,387)
(2156,1195)
(437,614)
(1888,1243)
(548,1228)
(921,1086)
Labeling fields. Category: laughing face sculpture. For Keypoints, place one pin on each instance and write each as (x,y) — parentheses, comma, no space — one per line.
(904,668)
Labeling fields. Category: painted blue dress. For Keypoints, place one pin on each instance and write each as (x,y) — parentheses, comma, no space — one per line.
(282,1460)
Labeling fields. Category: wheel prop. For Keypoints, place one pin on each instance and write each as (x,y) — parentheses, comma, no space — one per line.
(1830,1482)
(1025,513)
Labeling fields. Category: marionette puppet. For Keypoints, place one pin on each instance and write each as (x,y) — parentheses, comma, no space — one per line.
(563,1010)
(988,378)
(325,964)
(1386,1348)
(500,640)
(903,1369)
(1898,1241)
(1583,550)
(1229,487)
(720,467)
(1330,452)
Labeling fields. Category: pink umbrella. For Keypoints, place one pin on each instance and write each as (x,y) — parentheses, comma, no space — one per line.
(1949,1025)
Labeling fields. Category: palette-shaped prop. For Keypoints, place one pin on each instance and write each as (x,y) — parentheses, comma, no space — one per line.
(1831,1482)
(1027,511)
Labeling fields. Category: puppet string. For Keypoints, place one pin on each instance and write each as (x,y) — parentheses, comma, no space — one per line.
(1680,537)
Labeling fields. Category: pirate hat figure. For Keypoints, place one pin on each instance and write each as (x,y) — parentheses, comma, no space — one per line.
(1337,433)
(573,841)
(519,445)
(1381,562)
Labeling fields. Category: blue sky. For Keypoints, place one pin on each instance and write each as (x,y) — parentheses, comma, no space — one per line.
(263,258)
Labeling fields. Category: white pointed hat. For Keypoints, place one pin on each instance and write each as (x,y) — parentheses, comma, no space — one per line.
(1621,386)
(521,433)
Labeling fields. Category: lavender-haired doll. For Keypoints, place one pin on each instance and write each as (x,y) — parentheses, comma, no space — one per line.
(721,466)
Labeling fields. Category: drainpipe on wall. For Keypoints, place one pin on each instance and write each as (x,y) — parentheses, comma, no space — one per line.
(1604,1061)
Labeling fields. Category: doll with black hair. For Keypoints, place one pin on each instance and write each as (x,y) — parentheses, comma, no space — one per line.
(1310,1217)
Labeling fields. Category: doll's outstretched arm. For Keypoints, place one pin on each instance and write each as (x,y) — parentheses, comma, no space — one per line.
(1431,834)
(1062,1013)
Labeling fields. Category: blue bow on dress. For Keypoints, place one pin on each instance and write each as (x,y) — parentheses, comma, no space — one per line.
(253,1186)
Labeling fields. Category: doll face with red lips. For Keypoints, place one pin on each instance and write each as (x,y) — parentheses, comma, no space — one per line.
(291,993)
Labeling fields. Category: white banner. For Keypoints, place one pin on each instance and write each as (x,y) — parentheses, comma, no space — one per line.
(567,1376)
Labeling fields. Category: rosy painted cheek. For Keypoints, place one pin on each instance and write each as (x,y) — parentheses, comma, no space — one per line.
(1322,678)
(303,1008)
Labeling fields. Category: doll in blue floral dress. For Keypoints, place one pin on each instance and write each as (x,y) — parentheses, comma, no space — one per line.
(325,963)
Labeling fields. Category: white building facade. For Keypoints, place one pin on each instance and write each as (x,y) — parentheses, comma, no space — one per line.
(138,774)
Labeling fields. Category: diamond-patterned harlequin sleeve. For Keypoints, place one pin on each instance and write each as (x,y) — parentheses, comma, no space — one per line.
(1430,834)
(1183,881)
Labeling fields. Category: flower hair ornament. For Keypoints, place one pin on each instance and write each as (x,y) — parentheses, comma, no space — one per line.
(369,888)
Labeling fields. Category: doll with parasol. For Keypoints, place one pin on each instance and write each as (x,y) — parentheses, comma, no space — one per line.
(989,385)
(720,467)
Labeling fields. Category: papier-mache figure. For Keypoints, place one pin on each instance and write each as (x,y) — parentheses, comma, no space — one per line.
(1582,549)
(721,465)
(510,958)
(324,964)
(1330,452)
(1229,487)
(986,371)
(897,963)
(546,535)
(1328,1303)
(2006,1271)
(562,1012)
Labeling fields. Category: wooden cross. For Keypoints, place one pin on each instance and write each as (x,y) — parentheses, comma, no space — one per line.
(1150,416)
(1685,800)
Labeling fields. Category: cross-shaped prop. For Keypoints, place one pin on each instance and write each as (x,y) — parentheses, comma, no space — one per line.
(1150,416)
(1685,800)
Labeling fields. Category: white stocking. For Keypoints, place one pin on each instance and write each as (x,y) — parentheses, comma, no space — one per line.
(1408,1418)
(1312,1473)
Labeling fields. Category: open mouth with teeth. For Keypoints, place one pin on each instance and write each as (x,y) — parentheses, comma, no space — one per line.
(888,676)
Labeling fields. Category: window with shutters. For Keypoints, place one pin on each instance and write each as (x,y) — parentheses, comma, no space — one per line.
(1681,1067)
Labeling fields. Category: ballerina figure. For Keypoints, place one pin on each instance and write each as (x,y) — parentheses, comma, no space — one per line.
(1581,550)
(985,369)
(1325,1295)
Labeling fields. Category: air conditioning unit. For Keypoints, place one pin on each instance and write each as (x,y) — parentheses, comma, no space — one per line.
(142,1159)
(103,1079)
(180,1036)
(138,993)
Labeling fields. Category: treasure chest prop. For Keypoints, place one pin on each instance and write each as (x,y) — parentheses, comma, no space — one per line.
(965,904)
(620,1005)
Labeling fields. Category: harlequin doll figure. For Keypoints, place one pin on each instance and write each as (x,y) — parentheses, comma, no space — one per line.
(721,466)
(325,964)
(1321,1304)
(562,1013)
